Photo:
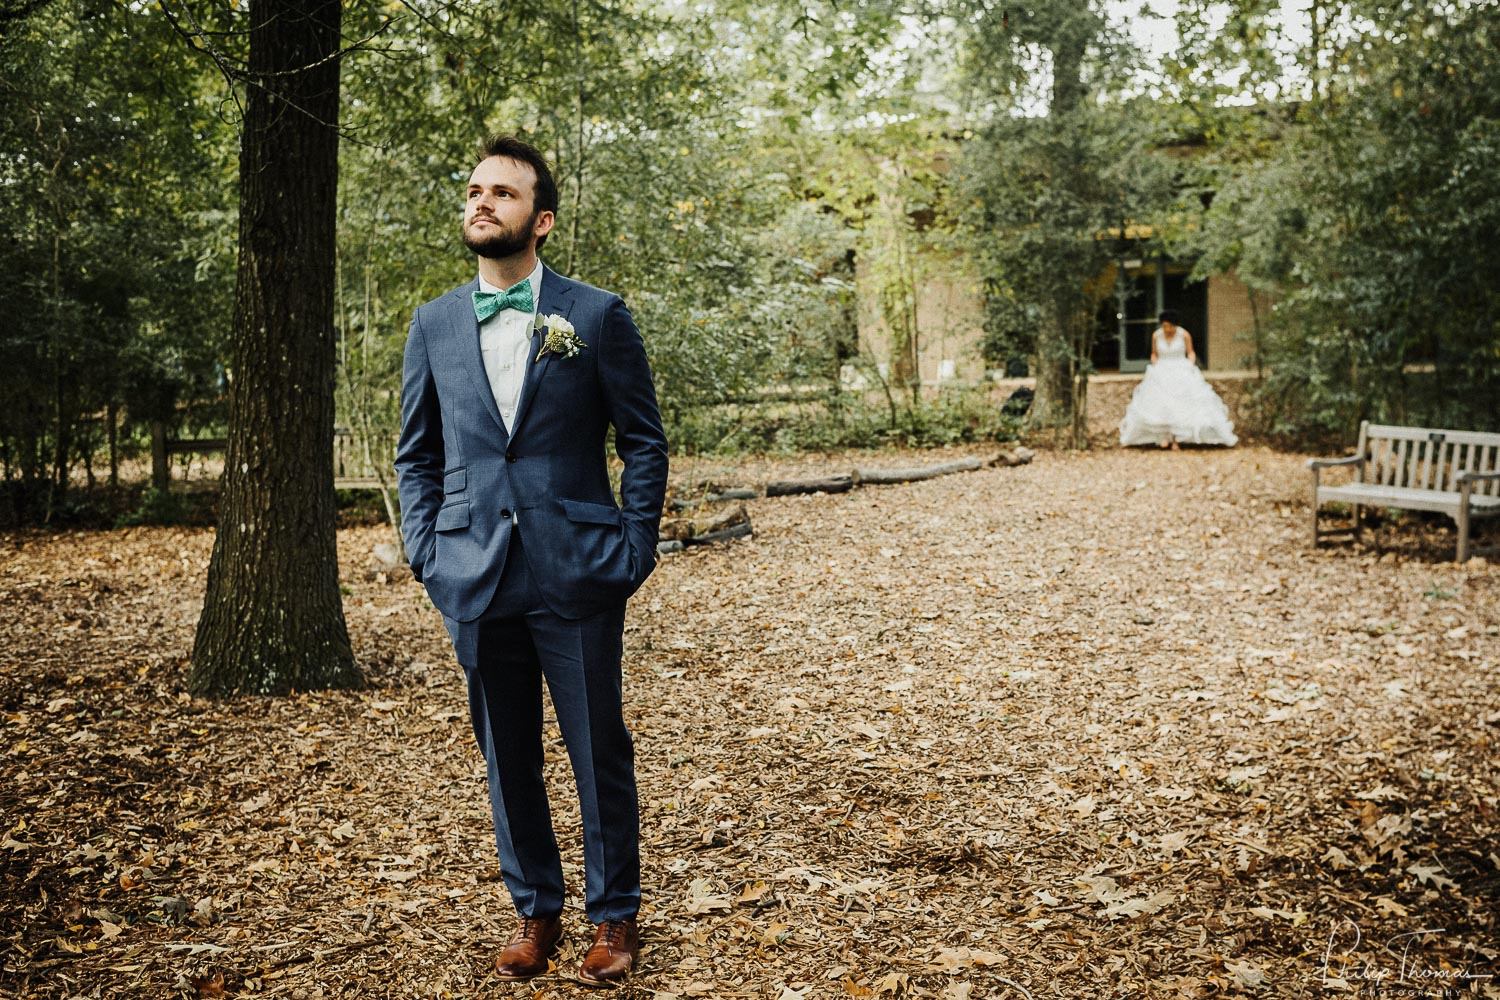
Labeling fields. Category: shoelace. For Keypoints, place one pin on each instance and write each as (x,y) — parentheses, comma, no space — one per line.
(613,933)
(530,927)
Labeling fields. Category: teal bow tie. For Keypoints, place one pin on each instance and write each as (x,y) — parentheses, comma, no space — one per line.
(518,296)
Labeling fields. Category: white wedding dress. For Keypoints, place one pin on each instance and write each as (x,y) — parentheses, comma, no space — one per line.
(1175,401)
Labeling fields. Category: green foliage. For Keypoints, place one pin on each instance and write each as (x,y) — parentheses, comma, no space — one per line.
(1368,213)
(735,280)
(1043,192)
(359,507)
(1402,207)
(954,415)
(111,277)
(725,167)
(171,508)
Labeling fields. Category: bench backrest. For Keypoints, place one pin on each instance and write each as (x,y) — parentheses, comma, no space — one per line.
(1427,458)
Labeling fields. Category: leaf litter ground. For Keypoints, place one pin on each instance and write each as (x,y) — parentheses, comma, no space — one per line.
(1103,726)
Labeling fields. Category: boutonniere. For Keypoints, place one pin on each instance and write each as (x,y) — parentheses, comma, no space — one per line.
(558,337)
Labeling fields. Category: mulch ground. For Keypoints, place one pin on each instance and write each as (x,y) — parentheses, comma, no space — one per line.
(1100,726)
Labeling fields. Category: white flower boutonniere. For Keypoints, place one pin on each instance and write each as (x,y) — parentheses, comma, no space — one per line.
(558,337)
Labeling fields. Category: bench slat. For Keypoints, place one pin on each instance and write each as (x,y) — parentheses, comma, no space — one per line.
(1425,433)
(1489,487)
(1407,498)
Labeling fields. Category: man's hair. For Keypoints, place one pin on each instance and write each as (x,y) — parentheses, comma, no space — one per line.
(1168,316)
(508,146)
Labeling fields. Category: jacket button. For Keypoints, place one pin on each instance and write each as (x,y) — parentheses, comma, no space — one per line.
(505,513)
(510,456)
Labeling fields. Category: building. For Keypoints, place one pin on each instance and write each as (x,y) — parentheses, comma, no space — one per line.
(1219,312)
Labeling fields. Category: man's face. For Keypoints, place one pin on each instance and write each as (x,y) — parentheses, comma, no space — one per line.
(500,218)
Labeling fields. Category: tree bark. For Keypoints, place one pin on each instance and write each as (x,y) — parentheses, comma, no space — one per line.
(1052,406)
(827,484)
(272,618)
(914,474)
(112,415)
(1055,405)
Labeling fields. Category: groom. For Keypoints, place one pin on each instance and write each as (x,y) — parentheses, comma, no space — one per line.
(511,384)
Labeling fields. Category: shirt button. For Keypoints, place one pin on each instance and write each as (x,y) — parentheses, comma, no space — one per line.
(505,513)
(510,456)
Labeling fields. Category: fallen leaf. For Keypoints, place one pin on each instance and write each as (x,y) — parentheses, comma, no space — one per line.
(1247,976)
(1431,876)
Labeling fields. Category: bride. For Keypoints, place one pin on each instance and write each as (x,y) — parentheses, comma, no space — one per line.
(1174,402)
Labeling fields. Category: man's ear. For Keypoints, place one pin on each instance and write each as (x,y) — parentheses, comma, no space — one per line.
(543,224)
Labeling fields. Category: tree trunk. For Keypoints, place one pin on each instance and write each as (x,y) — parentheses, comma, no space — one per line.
(1055,405)
(112,415)
(1052,406)
(272,618)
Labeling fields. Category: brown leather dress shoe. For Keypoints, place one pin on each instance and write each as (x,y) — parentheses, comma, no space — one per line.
(525,955)
(609,961)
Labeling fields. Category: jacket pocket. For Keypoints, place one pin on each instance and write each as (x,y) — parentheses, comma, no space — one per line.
(455,515)
(582,512)
(455,480)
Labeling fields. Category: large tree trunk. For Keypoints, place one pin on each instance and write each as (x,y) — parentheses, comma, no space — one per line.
(272,619)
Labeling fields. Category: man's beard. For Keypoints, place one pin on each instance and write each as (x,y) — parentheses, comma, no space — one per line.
(502,242)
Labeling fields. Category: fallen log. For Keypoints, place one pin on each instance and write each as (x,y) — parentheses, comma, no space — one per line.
(828,484)
(916,473)
(728,534)
(680,529)
(1021,456)
(738,493)
(707,526)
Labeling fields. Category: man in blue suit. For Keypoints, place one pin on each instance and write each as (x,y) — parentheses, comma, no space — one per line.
(511,383)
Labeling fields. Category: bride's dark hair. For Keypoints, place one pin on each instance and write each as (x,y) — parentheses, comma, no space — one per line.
(1167,316)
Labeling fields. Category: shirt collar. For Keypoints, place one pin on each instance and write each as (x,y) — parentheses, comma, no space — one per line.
(535,278)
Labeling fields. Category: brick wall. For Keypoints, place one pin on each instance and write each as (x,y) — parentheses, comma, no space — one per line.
(1231,324)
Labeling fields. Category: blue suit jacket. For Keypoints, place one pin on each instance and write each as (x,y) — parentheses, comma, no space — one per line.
(466,484)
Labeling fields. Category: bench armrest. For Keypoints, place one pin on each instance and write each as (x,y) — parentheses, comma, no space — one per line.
(1329,463)
(1475,477)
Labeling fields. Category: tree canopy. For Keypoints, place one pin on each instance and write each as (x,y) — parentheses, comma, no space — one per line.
(746,174)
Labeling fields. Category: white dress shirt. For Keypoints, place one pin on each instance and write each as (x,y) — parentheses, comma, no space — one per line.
(505,341)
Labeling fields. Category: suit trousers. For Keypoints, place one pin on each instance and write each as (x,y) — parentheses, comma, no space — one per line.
(506,654)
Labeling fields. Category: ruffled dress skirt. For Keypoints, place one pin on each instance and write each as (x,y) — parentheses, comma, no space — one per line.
(1174,400)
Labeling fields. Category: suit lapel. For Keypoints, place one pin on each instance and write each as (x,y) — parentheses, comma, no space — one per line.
(556,299)
(466,326)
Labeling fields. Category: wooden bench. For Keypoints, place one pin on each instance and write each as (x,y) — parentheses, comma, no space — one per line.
(352,468)
(1415,468)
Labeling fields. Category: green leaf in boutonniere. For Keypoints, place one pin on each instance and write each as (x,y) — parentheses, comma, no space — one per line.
(558,337)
